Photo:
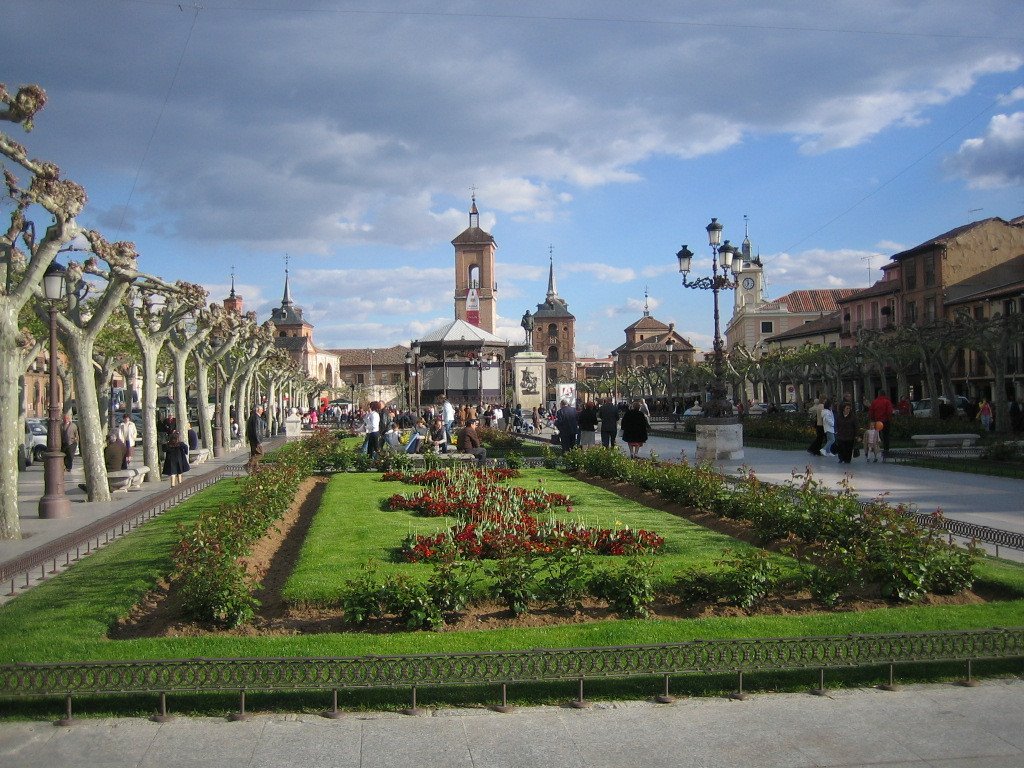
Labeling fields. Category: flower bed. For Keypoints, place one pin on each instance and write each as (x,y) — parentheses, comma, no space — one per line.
(496,521)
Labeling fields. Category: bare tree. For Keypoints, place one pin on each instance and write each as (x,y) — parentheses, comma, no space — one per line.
(26,264)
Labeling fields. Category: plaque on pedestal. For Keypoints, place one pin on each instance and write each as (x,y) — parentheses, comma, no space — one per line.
(530,379)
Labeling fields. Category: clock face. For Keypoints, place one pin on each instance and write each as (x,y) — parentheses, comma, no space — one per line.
(748,283)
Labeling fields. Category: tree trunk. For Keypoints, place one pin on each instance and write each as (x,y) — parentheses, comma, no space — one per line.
(79,349)
(10,428)
(149,387)
(203,402)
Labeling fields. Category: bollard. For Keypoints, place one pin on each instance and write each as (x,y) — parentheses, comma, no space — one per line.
(820,690)
(504,707)
(161,716)
(969,682)
(241,714)
(580,702)
(413,710)
(738,694)
(333,712)
(891,685)
(665,697)
(67,719)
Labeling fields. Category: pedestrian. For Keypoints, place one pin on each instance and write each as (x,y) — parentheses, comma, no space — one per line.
(828,424)
(634,429)
(985,414)
(846,433)
(128,434)
(371,428)
(393,438)
(69,441)
(439,435)
(872,440)
(468,441)
(448,416)
(588,424)
(608,413)
(535,419)
(254,437)
(568,426)
(815,412)
(881,410)
(176,457)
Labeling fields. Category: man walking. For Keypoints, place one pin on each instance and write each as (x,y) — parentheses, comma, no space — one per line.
(69,441)
(448,414)
(254,437)
(819,430)
(568,426)
(608,413)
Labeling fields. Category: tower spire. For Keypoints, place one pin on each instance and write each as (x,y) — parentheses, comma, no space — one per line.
(474,214)
(232,281)
(745,246)
(552,288)
(647,305)
(287,300)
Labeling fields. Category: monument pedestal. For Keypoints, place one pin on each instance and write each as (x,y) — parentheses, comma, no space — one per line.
(719,439)
(529,373)
(292,427)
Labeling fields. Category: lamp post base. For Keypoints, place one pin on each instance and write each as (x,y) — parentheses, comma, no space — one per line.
(719,439)
(54,505)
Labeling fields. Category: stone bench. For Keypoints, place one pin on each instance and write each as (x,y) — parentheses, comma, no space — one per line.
(459,458)
(939,441)
(198,456)
(120,480)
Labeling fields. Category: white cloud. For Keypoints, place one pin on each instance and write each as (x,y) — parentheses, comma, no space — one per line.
(995,159)
(602,272)
(1017,94)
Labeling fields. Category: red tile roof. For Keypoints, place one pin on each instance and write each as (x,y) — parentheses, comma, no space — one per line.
(819,300)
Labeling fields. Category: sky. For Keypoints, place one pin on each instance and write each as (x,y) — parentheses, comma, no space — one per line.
(349,137)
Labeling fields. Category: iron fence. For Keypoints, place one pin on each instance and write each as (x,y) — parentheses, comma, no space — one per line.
(327,674)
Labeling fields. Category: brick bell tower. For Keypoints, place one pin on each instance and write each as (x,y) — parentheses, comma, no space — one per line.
(475,288)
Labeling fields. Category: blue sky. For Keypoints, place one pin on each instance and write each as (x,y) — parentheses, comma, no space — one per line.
(348,136)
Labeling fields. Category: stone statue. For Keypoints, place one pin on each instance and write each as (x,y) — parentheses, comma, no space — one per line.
(528,326)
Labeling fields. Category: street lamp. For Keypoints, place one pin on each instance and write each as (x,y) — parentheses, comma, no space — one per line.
(614,377)
(416,371)
(409,375)
(718,407)
(54,504)
(670,347)
(373,386)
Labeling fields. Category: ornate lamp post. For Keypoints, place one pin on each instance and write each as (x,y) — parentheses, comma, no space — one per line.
(409,375)
(416,372)
(54,504)
(718,412)
(615,377)
(218,429)
(670,347)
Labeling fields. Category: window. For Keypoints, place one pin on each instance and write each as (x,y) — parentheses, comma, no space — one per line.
(909,274)
(928,265)
(359,379)
(910,314)
(929,309)
(474,276)
(979,313)
(767,326)
(639,360)
(553,354)
(553,330)
(552,375)
(663,360)
(396,378)
(650,360)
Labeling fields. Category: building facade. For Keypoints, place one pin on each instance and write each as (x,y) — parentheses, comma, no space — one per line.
(554,335)
(475,287)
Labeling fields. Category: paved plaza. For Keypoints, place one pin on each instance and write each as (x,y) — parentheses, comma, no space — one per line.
(919,725)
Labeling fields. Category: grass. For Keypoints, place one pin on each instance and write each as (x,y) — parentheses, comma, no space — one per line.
(351,529)
(67,618)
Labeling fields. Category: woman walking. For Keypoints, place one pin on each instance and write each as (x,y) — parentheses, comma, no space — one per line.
(634,429)
(846,433)
(828,423)
(175,458)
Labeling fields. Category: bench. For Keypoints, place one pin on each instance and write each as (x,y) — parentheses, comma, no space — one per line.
(459,458)
(120,480)
(198,456)
(941,441)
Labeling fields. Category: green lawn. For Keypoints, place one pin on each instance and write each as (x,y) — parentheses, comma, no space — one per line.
(67,617)
(351,530)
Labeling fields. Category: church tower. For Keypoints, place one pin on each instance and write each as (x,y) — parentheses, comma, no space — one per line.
(555,333)
(475,287)
(233,303)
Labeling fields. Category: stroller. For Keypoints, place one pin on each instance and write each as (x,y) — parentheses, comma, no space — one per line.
(520,425)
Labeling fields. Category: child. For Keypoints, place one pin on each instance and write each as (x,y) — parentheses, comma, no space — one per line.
(871,442)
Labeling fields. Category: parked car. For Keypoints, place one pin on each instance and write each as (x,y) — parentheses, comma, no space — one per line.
(36,431)
(923,407)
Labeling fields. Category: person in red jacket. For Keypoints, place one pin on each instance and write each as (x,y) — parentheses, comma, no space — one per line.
(881,410)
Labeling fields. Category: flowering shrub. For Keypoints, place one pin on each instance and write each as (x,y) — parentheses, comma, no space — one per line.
(208,559)
(496,521)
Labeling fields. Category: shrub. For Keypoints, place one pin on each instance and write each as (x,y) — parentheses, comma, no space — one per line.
(515,582)
(452,585)
(629,590)
(499,439)
(567,579)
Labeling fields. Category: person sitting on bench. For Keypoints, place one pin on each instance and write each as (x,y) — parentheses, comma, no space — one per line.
(469,442)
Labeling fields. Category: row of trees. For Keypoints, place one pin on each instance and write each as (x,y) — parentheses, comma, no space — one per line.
(898,355)
(115,317)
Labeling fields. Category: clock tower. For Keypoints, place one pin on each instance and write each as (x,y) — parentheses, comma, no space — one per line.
(475,287)
(750,291)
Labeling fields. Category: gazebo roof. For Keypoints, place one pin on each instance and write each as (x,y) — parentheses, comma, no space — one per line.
(460,333)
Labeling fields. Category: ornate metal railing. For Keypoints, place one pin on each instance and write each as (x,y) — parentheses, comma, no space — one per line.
(700,657)
(34,566)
